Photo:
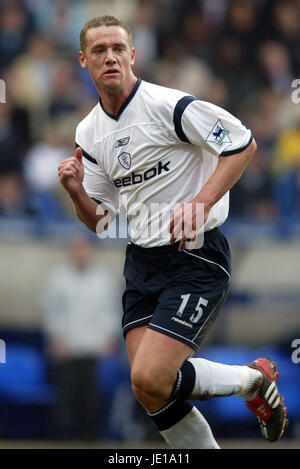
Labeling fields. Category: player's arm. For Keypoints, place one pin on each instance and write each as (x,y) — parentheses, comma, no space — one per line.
(225,176)
(71,173)
(221,134)
(227,173)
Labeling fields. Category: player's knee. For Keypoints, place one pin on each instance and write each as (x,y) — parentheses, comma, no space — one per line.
(142,384)
(150,384)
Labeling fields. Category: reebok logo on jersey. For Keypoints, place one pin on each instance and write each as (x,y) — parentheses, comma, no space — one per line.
(122,142)
(137,178)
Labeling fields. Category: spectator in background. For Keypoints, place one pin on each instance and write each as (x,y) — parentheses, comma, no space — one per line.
(286,28)
(286,171)
(241,26)
(275,67)
(58,20)
(16,26)
(233,55)
(195,32)
(255,189)
(40,168)
(81,324)
(144,37)
(40,161)
(32,77)
(66,92)
(14,142)
(181,70)
(12,190)
(14,130)
(214,12)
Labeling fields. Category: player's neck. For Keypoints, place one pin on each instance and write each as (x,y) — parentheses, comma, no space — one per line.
(112,99)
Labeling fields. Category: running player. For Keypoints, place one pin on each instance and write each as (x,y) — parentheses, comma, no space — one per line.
(146,146)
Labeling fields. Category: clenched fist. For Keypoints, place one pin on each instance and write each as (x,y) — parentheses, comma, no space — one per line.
(70,172)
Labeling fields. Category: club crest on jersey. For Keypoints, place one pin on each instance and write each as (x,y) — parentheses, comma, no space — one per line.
(218,134)
(122,142)
(125,160)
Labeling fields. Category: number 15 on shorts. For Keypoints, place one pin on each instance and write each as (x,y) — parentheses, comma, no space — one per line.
(197,314)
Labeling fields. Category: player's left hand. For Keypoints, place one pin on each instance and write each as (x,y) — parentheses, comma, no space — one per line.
(186,222)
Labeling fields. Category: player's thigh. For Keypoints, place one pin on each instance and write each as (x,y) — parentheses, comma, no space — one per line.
(157,360)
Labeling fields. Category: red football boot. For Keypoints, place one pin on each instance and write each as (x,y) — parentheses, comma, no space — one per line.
(268,403)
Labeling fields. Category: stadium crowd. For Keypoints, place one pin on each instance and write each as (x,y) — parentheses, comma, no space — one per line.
(242,55)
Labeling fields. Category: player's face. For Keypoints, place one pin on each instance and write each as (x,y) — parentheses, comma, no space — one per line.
(108,57)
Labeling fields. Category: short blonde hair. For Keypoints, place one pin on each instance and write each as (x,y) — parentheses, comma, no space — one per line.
(103,21)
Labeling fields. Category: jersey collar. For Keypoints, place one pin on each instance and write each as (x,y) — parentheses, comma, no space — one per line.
(126,102)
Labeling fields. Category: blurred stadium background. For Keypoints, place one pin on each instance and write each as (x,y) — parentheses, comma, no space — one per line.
(242,55)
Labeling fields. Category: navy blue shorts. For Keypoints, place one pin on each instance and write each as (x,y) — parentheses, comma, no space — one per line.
(176,293)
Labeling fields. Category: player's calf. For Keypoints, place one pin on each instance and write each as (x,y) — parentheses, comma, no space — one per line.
(177,420)
(203,379)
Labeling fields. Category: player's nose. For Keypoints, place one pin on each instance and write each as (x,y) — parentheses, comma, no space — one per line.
(110,57)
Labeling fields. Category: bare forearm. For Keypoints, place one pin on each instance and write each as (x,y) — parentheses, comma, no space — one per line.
(187,220)
(227,173)
(86,209)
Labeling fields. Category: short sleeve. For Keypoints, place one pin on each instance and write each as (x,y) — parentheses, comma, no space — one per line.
(204,124)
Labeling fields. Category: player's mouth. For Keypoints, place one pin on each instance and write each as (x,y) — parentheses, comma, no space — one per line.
(111,72)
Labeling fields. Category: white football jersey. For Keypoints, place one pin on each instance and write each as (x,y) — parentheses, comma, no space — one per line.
(156,154)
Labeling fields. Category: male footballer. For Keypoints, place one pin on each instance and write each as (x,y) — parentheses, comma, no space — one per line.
(146,146)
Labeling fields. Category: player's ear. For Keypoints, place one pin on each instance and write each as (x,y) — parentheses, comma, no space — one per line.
(132,59)
(82,59)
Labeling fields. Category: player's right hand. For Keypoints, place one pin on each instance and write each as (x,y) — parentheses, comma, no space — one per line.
(70,172)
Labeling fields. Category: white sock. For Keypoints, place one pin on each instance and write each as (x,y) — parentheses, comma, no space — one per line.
(250,382)
(191,432)
(215,379)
